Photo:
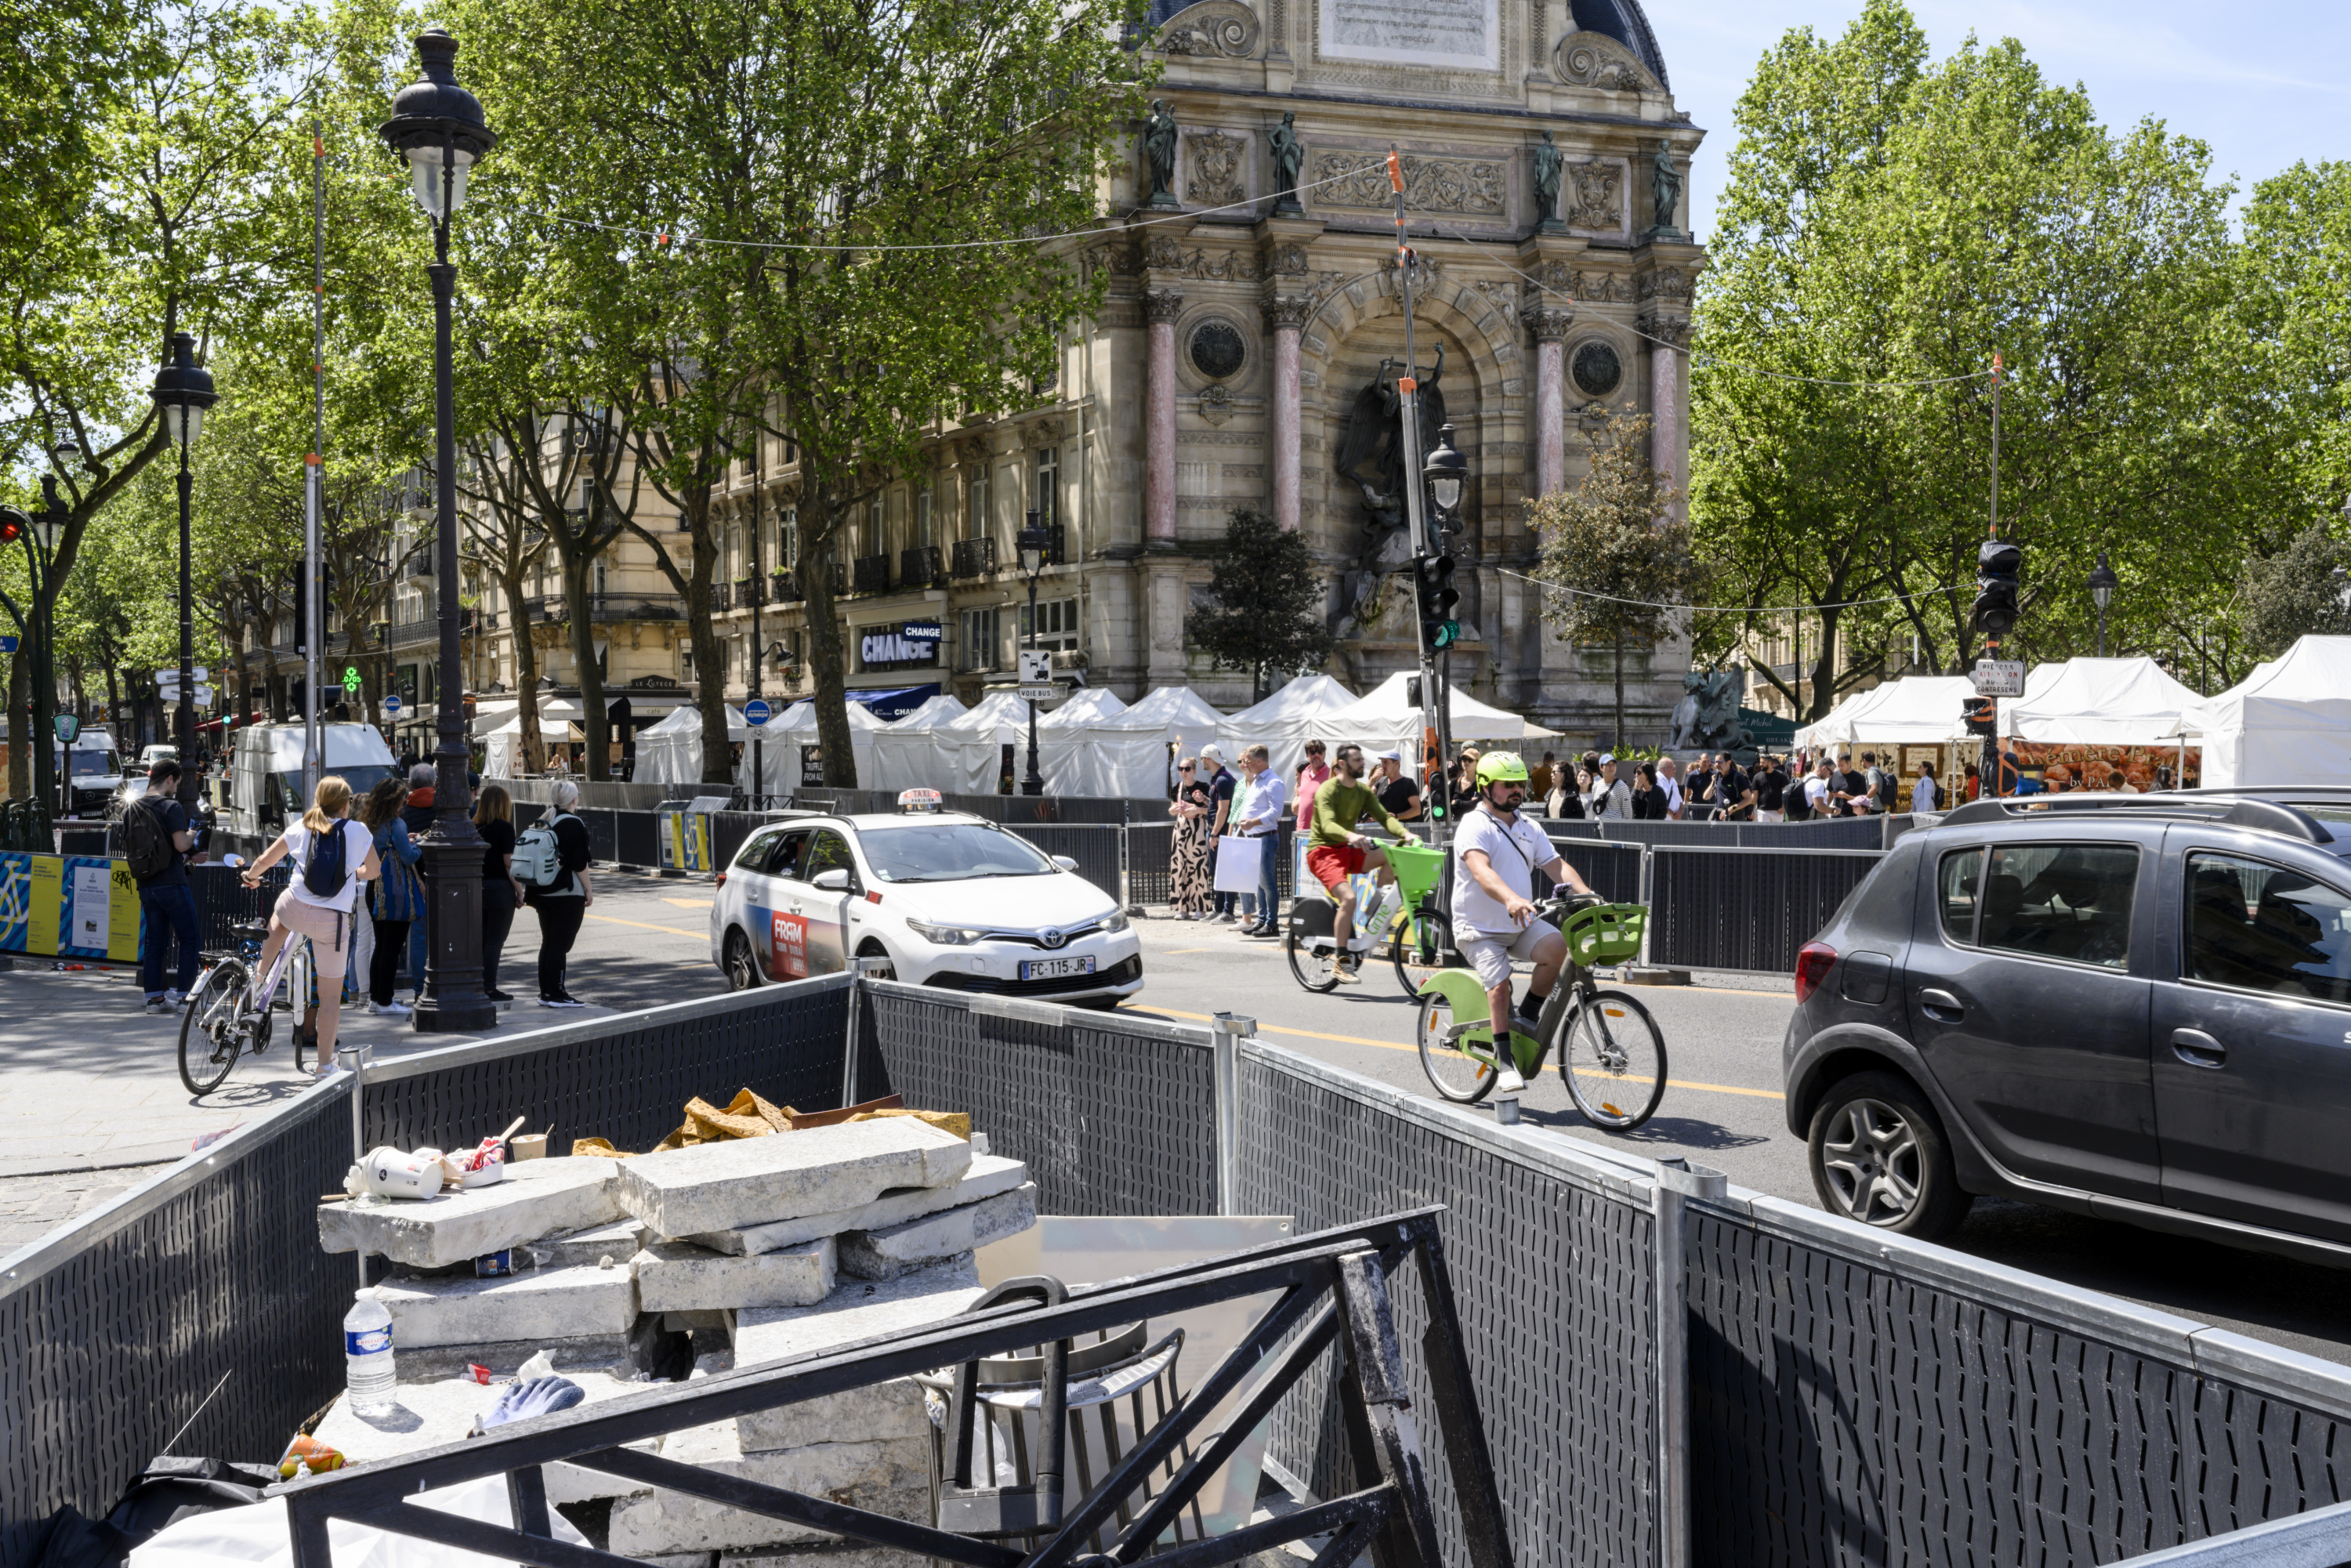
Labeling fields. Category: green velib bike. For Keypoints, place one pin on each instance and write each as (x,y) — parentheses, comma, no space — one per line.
(1611,1055)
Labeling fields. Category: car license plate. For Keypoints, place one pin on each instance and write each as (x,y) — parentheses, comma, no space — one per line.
(1054,968)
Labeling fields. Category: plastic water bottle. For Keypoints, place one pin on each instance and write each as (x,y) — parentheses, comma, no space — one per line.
(367,1355)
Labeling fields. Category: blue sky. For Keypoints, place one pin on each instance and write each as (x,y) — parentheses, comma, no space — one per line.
(2262,82)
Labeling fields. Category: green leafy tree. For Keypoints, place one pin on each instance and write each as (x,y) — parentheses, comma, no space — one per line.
(1266,614)
(2303,591)
(1615,551)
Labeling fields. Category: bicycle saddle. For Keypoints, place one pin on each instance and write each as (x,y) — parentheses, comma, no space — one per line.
(256,929)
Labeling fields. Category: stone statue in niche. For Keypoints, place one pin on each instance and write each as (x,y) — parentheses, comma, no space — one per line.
(1288,157)
(1372,457)
(1665,191)
(1159,150)
(1706,718)
(1547,163)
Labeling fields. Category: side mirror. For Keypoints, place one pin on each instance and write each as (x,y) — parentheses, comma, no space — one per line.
(1065,863)
(830,880)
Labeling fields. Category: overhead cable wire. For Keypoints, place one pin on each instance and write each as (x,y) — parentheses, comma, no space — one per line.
(1728,609)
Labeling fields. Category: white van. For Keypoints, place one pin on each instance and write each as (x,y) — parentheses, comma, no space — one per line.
(265,776)
(94,770)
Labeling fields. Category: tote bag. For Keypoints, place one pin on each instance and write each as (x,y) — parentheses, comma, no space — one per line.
(1240,863)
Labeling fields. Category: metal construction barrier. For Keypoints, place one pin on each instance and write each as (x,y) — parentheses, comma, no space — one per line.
(1099,852)
(1745,909)
(1672,1372)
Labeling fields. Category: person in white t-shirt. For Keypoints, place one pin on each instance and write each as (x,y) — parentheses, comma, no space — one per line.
(1496,854)
(324,916)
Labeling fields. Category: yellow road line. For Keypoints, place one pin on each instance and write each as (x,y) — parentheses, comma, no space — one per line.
(688,903)
(1391,1045)
(641,925)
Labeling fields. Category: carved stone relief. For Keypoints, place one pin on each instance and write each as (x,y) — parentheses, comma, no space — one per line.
(1212,29)
(1597,60)
(1592,198)
(1216,179)
(1471,185)
(1665,283)
(1216,405)
(1603,288)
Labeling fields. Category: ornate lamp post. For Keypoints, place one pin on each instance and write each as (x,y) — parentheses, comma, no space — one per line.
(1446,472)
(2102,584)
(183,390)
(1031,544)
(437,127)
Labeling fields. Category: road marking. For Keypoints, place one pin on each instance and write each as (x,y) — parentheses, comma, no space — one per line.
(688,903)
(1391,1045)
(1179,952)
(641,925)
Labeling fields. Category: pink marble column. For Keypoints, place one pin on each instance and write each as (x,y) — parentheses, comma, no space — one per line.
(1549,324)
(1669,339)
(1285,317)
(1160,309)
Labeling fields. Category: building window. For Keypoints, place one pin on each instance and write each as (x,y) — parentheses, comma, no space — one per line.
(1049,487)
(979,650)
(975,525)
(1057,625)
(685,660)
(924,536)
(788,538)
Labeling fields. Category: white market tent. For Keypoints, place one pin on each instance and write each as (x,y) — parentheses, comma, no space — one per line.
(2288,722)
(2097,701)
(1286,721)
(960,754)
(784,736)
(1061,738)
(1382,720)
(1917,710)
(670,752)
(906,751)
(1125,754)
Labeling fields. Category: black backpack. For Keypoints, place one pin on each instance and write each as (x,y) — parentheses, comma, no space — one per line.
(322,865)
(146,843)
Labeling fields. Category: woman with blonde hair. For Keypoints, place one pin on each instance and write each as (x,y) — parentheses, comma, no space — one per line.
(330,857)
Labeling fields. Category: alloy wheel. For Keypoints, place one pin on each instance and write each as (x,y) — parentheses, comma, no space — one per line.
(1870,1155)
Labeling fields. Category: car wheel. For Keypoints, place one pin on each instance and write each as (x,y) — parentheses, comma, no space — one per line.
(742,969)
(1879,1156)
(875,950)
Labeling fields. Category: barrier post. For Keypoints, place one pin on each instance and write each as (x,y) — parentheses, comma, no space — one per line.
(1678,1181)
(1229,1030)
(859,971)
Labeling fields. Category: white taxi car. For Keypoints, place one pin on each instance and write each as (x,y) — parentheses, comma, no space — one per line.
(950,900)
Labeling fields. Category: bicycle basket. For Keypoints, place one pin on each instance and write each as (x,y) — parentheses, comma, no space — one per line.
(1417,868)
(1605,933)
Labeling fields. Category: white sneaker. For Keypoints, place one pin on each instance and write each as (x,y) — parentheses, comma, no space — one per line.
(175,999)
(1511,1082)
(390,1009)
(1347,974)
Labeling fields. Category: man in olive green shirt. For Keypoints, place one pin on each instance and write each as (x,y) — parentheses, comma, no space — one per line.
(1336,851)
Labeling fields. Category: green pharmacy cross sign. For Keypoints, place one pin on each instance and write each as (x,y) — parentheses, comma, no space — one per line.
(350,677)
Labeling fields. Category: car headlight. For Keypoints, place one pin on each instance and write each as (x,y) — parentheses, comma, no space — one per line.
(1114,921)
(945,935)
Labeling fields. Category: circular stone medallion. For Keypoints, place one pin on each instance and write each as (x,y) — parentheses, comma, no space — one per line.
(1597,369)
(1216,350)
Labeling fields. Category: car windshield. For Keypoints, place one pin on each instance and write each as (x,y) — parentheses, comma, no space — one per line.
(949,851)
(96,764)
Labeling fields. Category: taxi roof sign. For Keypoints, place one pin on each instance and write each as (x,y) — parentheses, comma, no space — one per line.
(911,800)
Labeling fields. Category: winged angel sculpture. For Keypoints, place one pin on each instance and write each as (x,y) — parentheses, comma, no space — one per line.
(1372,457)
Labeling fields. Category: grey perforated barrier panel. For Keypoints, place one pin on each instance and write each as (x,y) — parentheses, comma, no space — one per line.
(1552,1281)
(1745,909)
(1110,1118)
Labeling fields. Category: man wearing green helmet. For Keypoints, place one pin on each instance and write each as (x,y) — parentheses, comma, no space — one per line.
(1495,857)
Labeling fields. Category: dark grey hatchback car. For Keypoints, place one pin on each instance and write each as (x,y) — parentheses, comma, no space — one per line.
(2133,1006)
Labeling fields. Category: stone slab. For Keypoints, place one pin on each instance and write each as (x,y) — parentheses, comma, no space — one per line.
(890,1478)
(987,1175)
(855,1310)
(934,1238)
(747,1182)
(593,1353)
(537,1197)
(538,1304)
(619,1242)
(679,1277)
(429,1414)
(845,1555)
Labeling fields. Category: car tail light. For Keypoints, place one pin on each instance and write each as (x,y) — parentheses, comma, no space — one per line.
(1814,962)
(722,879)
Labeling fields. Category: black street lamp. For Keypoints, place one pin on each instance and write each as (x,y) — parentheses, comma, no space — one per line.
(183,390)
(2102,584)
(1446,472)
(437,127)
(1031,544)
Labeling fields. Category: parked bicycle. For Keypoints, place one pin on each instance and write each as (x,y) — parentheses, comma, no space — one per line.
(228,1015)
(1612,1055)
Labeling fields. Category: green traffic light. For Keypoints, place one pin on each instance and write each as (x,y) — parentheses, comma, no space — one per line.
(1447,633)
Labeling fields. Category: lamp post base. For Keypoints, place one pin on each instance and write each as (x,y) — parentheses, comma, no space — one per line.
(450,999)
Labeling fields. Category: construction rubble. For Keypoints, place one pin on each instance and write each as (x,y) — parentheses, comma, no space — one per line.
(750,1235)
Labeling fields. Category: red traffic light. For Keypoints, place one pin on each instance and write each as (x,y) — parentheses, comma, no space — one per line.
(12,525)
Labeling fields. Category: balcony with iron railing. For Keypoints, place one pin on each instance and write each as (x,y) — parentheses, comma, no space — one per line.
(870,574)
(609,608)
(974,557)
(747,594)
(921,568)
(784,587)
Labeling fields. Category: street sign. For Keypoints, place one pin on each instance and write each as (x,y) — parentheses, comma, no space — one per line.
(69,727)
(1039,694)
(171,696)
(1036,666)
(391,706)
(757,712)
(2000,677)
(8,643)
(171,678)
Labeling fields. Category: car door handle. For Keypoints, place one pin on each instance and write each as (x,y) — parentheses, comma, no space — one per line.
(1941,1006)
(2196,1048)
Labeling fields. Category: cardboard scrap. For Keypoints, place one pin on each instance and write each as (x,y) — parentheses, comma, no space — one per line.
(749,1117)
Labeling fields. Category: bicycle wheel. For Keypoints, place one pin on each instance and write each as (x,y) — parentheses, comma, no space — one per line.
(1612,1059)
(1453,1071)
(1311,969)
(1413,948)
(209,1036)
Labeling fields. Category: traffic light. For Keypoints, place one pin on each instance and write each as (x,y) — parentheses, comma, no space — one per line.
(13,524)
(1437,596)
(1980,715)
(1998,567)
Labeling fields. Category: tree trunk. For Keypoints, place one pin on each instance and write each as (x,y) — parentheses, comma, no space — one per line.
(1824,671)
(1619,745)
(826,655)
(534,746)
(578,613)
(710,662)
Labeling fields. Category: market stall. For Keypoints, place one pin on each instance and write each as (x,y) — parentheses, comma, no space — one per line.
(1125,754)
(670,752)
(906,751)
(1383,720)
(791,754)
(1286,721)
(2288,722)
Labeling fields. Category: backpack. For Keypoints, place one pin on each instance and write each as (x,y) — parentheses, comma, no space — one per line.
(146,845)
(1883,788)
(323,872)
(536,862)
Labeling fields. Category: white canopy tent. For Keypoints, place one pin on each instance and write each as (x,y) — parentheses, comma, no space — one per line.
(1125,754)
(1062,734)
(1917,710)
(906,751)
(1382,720)
(2097,702)
(670,752)
(1285,722)
(785,735)
(2288,722)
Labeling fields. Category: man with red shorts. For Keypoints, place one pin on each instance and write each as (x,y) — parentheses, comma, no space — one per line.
(1335,852)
